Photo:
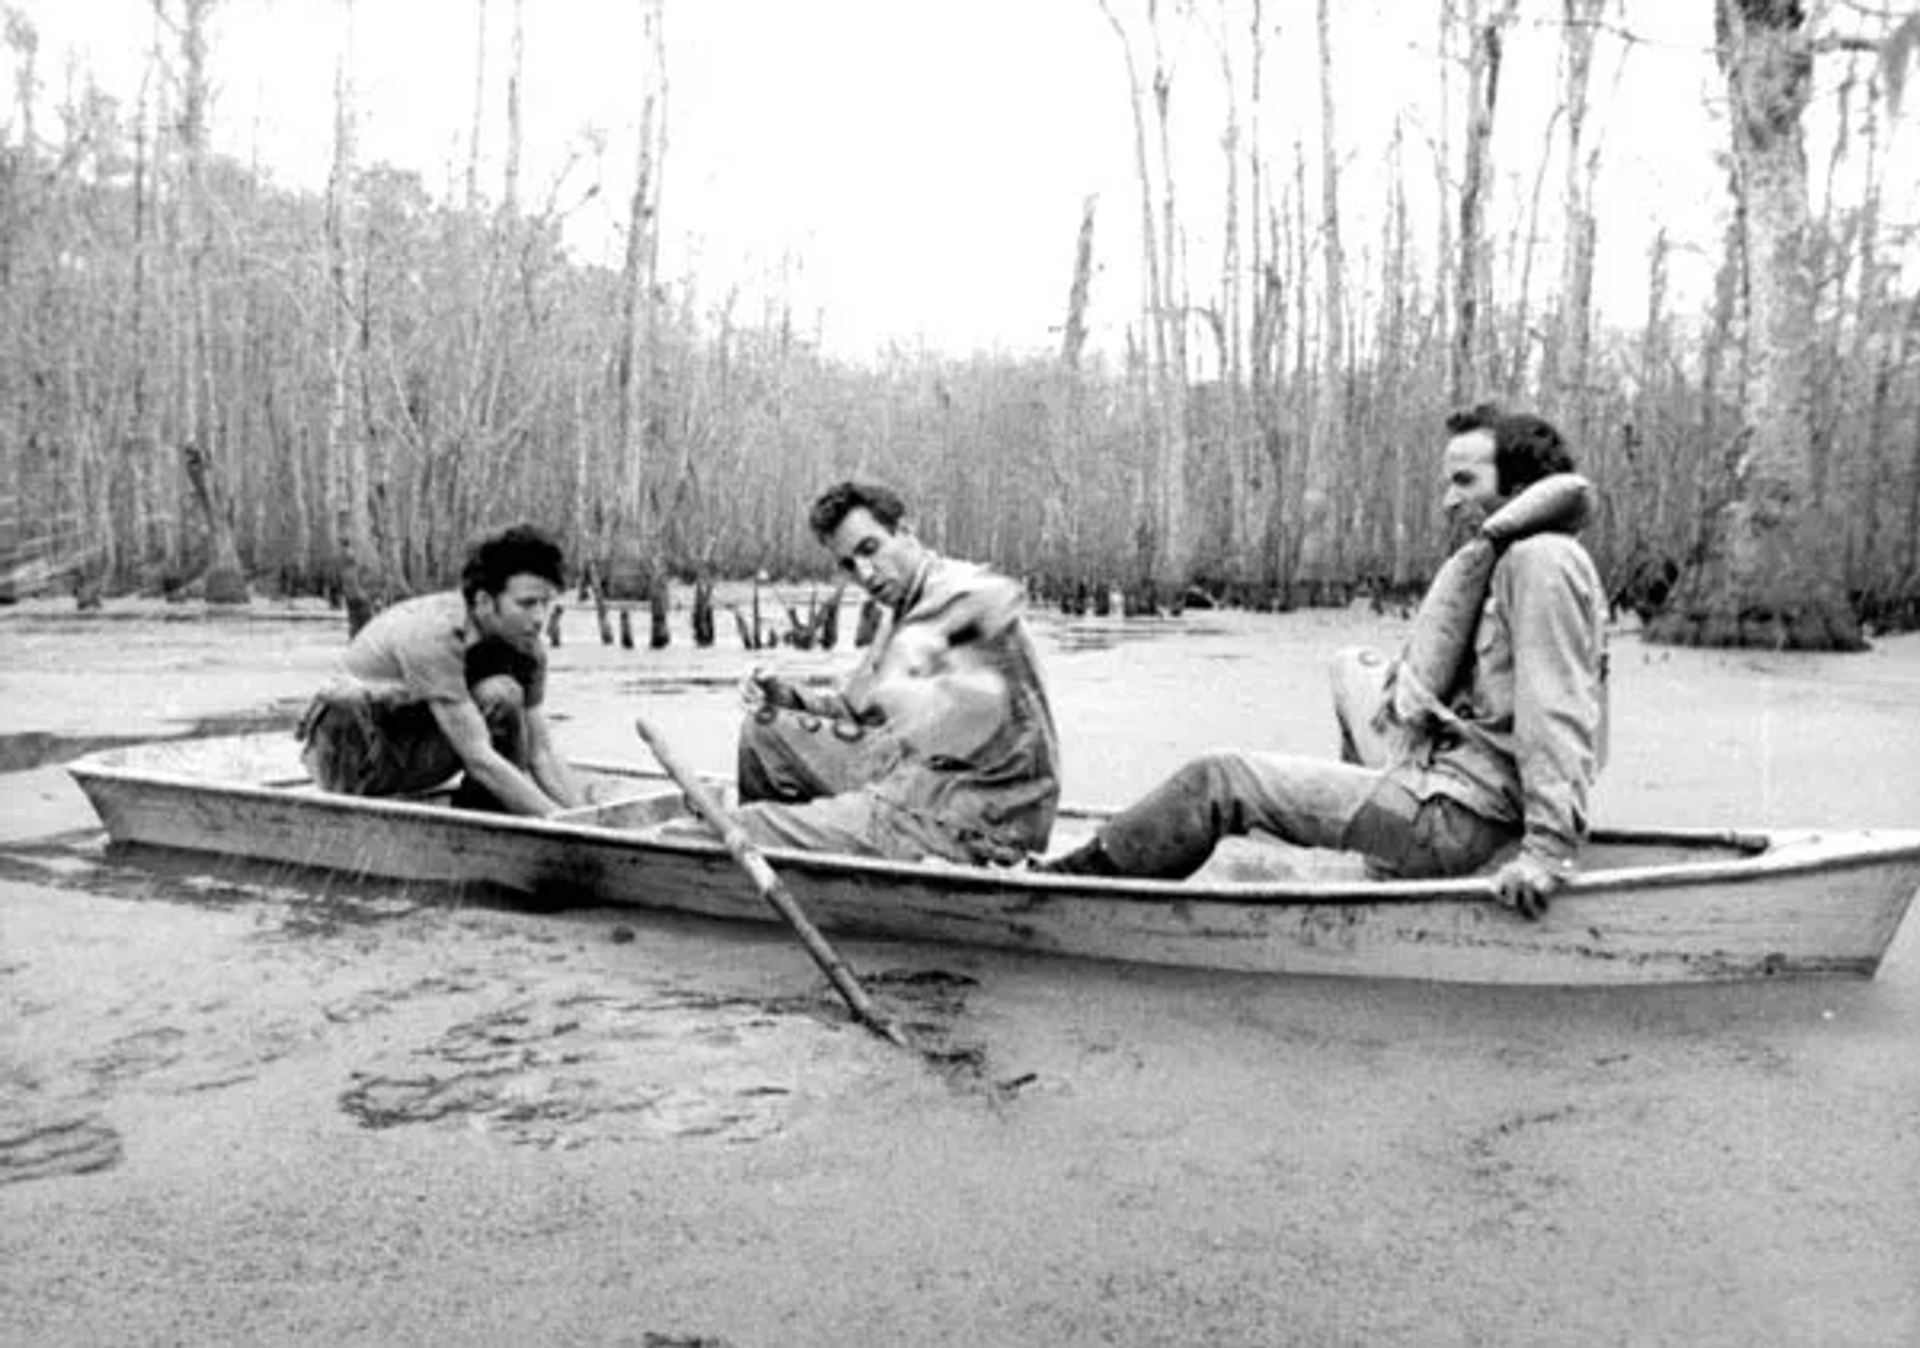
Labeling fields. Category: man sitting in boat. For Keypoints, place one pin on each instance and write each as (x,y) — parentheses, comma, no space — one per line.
(1479,745)
(452,683)
(941,743)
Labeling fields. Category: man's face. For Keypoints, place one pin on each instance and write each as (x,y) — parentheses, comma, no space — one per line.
(518,614)
(1472,489)
(880,560)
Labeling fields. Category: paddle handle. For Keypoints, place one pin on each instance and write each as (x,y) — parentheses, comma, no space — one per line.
(772,888)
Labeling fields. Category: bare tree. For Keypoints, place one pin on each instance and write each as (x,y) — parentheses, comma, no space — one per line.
(516,70)
(203,441)
(1164,527)
(1266,330)
(638,438)
(1569,349)
(1771,576)
(1319,532)
(345,451)
(1474,303)
(479,106)
(1059,537)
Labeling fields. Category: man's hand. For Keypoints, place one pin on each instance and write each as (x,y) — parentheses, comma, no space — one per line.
(1528,882)
(763,688)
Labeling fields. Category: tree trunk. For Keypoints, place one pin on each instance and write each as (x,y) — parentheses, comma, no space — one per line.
(1258,487)
(1443,194)
(516,71)
(225,582)
(1474,304)
(1059,536)
(1174,557)
(1161,528)
(346,485)
(1319,533)
(1396,353)
(1229,315)
(1569,353)
(635,551)
(479,106)
(1880,562)
(1771,575)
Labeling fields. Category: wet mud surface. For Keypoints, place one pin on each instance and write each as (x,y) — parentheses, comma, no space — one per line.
(517,1047)
(245,1104)
(23,751)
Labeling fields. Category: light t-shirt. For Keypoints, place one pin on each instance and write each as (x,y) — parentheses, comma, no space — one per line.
(416,651)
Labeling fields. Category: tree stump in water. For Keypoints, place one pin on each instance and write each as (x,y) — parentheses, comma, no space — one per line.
(590,587)
(1815,625)
(87,589)
(1761,584)
(227,585)
(658,603)
(1140,601)
(830,623)
(360,612)
(703,611)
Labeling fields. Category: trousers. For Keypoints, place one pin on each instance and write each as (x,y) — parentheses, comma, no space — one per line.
(810,782)
(366,742)
(1359,803)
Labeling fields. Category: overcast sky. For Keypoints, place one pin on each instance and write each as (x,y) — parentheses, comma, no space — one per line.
(914,169)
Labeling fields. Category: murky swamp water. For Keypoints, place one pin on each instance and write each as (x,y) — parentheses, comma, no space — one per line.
(142,994)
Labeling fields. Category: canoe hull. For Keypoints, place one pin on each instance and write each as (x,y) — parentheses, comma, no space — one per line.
(1800,904)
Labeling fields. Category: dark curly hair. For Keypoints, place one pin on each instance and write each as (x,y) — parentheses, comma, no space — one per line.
(499,557)
(843,498)
(1526,448)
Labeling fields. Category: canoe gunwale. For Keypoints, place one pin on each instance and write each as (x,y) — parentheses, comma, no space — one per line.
(1780,854)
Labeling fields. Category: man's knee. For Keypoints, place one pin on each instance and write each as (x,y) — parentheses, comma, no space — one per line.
(503,705)
(1218,776)
(356,748)
(500,696)
(1357,673)
(756,750)
(756,733)
(828,824)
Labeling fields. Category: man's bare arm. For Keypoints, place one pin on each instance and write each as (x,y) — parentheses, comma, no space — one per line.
(466,731)
(550,770)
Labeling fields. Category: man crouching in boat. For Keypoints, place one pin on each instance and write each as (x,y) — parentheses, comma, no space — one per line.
(1481,742)
(452,682)
(941,743)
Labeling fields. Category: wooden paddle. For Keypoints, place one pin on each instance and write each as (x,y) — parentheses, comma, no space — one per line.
(772,888)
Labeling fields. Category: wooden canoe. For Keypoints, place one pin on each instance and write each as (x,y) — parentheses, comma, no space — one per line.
(1647,906)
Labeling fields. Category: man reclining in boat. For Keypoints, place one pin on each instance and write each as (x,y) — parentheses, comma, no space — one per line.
(1481,742)
(452,683)
(940,743)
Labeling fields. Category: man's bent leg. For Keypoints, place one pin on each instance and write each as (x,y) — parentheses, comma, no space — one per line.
(1404,837)
(360,745)
(503,705)
(1170,832)
(854,823)
(796,756)
(1359,676)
